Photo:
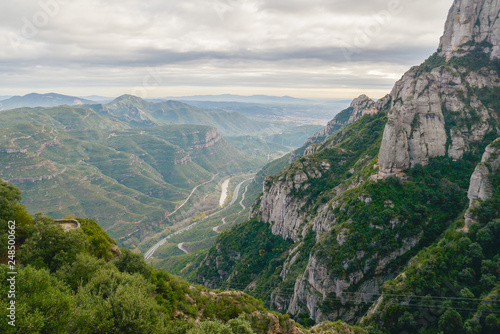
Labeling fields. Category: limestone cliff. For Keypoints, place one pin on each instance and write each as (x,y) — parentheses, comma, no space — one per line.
(440,107)
(434,114)
(472,24)
(481,187)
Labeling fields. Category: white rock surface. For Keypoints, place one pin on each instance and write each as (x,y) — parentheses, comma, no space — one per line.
(471,22)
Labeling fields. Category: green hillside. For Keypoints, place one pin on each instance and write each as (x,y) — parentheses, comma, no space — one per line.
(140,113)
(77,280)
(72,160)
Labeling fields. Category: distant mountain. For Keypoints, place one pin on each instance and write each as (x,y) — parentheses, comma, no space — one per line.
(139,113)
(264,99)
(41,100)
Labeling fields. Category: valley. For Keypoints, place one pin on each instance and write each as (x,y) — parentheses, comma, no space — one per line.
(221,213)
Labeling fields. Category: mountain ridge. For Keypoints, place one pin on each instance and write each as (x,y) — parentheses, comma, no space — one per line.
(359,206)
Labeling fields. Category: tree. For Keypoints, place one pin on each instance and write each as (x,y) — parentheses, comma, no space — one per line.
(211,327)
(132,263)
(51,247)
(451,322)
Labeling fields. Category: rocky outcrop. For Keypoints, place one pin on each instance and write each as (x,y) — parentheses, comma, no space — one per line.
(13,150)
(318,284)
(481,187)
(472,24)
(184,160)
(437,111)
(212,137)
(37,178)
(435,114)
(280,208)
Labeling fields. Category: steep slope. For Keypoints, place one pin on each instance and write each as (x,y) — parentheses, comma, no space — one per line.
(75,279)
(336,224)
(450,103)
(459,274)
(41,100)
(472,25)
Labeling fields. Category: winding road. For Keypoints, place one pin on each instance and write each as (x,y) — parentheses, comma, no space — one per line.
(153,249)
(181,247)
(243,196)
(191,194)
(235,198)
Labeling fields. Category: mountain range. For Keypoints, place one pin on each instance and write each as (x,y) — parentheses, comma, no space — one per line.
(386,221)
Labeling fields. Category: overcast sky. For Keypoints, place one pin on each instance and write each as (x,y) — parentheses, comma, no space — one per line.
(154,48)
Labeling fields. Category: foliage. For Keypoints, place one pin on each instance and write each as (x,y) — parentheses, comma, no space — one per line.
(65,284)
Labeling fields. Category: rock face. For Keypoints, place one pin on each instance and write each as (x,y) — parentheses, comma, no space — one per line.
(212,137)
(439,111)
(280,208)
(472,24)
(481,187)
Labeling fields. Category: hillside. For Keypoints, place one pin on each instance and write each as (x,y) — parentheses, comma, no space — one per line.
(76,280)
(390,222)
(141,113)
(72,160)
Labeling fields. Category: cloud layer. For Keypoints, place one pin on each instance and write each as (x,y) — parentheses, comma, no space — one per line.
(305,48)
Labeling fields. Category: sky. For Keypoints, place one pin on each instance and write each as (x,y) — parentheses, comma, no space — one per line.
(156,48)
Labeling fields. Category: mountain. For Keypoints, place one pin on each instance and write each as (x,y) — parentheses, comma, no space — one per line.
(140,113)
(392,221)
(72,160)
(41,100)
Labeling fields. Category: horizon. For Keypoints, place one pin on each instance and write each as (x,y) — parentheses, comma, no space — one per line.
(312,50)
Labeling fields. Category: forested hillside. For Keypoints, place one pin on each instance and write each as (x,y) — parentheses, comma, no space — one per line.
(75,280)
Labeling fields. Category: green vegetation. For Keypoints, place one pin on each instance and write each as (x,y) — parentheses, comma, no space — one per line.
(380,228)
(74,161)
(65,284)
(140,113)
(463,269)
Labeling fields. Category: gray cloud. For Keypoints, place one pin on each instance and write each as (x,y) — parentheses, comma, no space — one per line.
(49,44)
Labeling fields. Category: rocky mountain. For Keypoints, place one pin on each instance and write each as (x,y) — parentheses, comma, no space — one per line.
(41,100)
(482,185)
(366,213)
(471,25)
(445,106)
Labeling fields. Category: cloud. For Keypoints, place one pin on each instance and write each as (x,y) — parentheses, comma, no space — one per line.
(109,42)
